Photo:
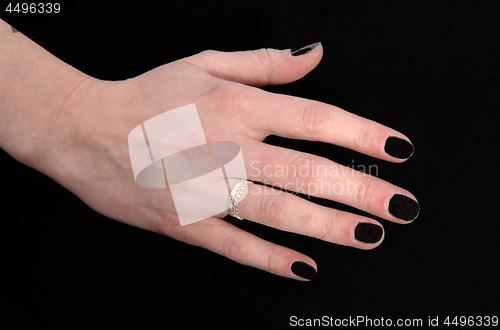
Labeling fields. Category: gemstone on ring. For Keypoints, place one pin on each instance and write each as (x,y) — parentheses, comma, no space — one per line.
(234,197)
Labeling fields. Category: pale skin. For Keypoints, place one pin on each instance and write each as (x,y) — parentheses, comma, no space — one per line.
(74,128)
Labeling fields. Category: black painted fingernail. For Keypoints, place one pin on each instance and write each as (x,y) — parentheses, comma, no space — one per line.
(398,148)
(403,207)
(305,49)
(368,232)
(304,270)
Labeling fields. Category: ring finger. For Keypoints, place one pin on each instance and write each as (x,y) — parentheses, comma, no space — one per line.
(292,213)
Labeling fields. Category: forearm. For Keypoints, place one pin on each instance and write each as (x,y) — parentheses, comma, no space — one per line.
(36,95)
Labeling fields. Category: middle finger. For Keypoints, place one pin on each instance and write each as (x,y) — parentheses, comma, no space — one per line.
(312,175)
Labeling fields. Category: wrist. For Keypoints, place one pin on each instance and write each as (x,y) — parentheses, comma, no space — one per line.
(37,90)
(61,120)
(84,126)
(42,114)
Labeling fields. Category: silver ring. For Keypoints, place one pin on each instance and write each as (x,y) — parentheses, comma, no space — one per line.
(234,197)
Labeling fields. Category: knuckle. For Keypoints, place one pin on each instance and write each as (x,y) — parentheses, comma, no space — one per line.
(307,218)
(232,248)
(365,139)
(207,53)
(167,222)
(273,261)
(301,171)
(227,97)
(264,57)
(363,195)
(315,119)
(330,228)
(205,56)
(272,207)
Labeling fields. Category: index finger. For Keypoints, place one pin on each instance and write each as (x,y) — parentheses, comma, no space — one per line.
(298,118)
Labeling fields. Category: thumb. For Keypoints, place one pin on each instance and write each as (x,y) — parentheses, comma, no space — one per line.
(259,67)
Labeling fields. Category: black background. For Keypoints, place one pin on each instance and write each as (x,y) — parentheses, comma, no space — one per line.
(427,69)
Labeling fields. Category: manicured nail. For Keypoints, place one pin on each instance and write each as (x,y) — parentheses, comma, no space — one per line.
(304,270)
(403,207)
(368,232)
(398,148)
(305,50)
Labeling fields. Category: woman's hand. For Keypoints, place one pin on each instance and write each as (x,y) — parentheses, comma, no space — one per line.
(89,155)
